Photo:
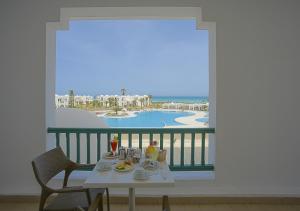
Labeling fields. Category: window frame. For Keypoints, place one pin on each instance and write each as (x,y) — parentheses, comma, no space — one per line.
(128,13)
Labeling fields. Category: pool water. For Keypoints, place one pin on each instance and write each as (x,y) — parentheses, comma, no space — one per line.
(202,119)
(148,119)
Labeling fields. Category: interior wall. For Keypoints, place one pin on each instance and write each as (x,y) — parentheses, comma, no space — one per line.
(257,95)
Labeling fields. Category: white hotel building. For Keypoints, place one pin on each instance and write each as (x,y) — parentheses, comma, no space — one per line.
(124,100)
(104,100)
(62,101)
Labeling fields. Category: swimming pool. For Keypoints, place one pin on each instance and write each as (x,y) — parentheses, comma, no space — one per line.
(202,119)
(148,119)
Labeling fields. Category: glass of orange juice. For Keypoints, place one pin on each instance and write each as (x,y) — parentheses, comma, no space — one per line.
(114,144)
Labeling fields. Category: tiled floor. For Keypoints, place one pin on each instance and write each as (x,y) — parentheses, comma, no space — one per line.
(217,207)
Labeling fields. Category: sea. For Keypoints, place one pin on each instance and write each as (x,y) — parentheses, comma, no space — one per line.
(180,99)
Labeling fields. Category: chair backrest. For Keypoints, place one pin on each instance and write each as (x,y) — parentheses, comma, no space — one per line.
(49,164)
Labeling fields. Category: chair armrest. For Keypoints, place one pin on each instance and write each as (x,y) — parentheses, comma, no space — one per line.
(73,166)
(85,166)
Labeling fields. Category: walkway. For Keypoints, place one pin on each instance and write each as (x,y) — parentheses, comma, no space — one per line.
(190,121)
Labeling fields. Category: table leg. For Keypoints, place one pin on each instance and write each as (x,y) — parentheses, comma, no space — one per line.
(131,199)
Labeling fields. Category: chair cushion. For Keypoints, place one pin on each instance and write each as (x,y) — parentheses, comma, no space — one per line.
(70,201)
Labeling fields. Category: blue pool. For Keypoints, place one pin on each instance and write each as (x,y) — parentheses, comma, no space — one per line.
(147,119)
(202,119)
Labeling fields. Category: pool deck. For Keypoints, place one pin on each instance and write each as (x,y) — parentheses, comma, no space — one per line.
(190,121)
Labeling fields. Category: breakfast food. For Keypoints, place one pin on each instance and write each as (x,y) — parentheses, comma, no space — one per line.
(124,166)
(151,151)
(150,164)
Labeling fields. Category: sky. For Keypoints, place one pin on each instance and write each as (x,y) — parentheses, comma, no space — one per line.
(156,57)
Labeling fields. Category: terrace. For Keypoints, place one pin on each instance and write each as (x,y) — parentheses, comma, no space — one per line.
(188,147)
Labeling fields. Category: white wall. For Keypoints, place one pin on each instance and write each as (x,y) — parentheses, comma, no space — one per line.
(77,118)
(257,92)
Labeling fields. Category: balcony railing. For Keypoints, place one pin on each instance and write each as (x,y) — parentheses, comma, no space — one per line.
(187,147)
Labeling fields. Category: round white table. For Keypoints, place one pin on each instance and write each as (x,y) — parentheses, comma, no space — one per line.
(113,179)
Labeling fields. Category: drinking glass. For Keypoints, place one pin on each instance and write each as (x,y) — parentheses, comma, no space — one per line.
(114,144)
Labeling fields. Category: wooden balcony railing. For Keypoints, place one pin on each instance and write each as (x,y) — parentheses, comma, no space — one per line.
(187,147)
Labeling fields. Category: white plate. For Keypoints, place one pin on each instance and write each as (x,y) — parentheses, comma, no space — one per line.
(124,170)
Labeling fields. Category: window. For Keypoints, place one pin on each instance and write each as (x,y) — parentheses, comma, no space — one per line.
(121,101)
(135,73)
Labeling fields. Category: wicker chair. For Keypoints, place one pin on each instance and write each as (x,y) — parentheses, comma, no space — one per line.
(49,164)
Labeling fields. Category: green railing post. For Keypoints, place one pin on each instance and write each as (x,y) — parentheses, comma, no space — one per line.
(140,140)
(161,140)
(98,146)
(88,146)
(182,150)
(120,140)
(129,140)
(203,149)
(150,137)
(57,139)
(193,149)
(172,149)
(108,142)
(68,144)
(78,147)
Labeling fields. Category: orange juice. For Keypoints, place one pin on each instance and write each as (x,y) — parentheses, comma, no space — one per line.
(114,144)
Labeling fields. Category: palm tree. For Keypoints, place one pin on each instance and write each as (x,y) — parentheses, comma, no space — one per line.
(142,102)
(116,107)
(150,99)
(111,101)
(123,91)
(134,102)
(146,101)
(71,99)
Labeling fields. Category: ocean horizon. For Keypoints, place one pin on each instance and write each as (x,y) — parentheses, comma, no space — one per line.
(168,99)
(180,99)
